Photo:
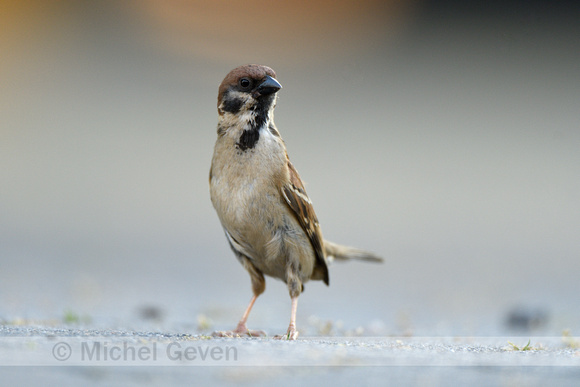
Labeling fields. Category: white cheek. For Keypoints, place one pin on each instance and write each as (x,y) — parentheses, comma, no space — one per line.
(245,117)
(239,95)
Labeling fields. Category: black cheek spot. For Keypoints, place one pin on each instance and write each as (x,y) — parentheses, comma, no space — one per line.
(233,105)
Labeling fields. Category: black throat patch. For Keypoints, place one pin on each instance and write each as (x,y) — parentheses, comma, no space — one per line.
(250,137)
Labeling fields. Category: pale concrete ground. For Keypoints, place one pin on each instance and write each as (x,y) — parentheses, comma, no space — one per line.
(156,358)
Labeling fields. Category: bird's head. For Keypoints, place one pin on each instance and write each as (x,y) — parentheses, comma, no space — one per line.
(248,89)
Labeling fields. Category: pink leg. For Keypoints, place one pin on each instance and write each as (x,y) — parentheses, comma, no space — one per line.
(292,333)
(242,324)
(241,329)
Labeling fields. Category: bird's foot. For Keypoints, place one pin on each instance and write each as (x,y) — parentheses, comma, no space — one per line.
(292,334)
(240,331)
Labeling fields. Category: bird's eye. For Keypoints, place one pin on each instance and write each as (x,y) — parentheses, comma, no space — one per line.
(245,83)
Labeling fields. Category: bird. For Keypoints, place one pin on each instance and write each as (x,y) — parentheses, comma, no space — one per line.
(260,199)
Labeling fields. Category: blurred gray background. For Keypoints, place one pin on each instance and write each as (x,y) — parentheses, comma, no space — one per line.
(443,135)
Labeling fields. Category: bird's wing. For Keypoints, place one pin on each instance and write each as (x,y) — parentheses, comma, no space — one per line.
(297,199)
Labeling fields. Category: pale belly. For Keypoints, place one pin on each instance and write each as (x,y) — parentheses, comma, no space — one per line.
(251,209)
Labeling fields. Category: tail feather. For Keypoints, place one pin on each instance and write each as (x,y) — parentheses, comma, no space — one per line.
(342,253)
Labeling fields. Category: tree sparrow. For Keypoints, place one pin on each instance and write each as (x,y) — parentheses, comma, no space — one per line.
(259,197)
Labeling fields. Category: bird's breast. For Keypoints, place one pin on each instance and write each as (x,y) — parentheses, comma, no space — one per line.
(243,181)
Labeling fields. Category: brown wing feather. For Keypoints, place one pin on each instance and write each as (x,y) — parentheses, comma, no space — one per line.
(298,201)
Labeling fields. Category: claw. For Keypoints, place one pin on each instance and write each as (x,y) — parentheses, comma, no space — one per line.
(292,334)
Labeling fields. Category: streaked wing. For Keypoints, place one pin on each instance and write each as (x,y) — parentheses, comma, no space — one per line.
(297,199)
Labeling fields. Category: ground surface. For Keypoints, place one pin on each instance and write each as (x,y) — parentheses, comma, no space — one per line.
(67,356)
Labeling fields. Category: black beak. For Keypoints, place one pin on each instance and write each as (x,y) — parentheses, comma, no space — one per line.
(268,86)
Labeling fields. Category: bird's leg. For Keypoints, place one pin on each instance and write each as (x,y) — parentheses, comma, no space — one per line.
(242,329)
(292,333)
(258,287)
(295,288)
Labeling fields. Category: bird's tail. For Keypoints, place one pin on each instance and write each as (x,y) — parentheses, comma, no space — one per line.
(342,253)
